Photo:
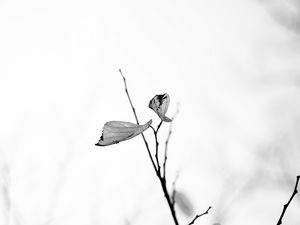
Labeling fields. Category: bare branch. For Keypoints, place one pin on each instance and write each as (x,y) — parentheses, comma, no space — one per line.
(137,121)
(169,200)
(156,146)
(288,203)
(126,90)
(197,216)
(157,169)
(158,126)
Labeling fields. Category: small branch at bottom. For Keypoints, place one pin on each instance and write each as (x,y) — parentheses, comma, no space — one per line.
(197,216)
(288,203)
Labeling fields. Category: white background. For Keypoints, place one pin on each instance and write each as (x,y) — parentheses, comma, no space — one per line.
(232,65)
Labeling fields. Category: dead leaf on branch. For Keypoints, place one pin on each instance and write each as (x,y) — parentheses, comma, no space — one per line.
(160,105)
(117,131)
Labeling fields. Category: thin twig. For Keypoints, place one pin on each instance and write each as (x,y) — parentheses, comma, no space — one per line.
(137,121)
(167,143)
(197,216)
(126,90)
(156,146)
(158,126)
(288,203)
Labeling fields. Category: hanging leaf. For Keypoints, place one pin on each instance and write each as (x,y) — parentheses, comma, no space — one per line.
(117,131)
(160,104)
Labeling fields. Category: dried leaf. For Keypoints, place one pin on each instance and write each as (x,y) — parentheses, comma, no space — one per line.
(117,131)
(160,104)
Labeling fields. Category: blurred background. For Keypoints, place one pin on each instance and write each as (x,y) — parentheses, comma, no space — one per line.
(234,68)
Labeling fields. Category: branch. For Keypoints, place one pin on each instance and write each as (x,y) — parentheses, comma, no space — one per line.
(288,203)
(156,146)
(137,121)
(169,200)
(197,216)
(157,169)
(126,90)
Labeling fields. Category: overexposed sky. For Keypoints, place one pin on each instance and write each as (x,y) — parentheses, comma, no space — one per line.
(233,66)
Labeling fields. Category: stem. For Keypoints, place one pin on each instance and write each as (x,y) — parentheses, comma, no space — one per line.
(157,169)
(288,203)
(156,147)
(169,201)
(163,180)
(137,121)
